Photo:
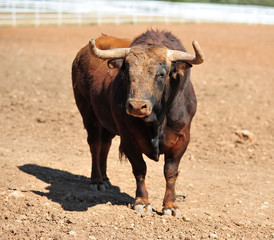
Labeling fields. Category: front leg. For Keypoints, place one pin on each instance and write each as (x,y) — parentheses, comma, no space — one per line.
(141,201)
(172,161)
(139,169)
(171,173)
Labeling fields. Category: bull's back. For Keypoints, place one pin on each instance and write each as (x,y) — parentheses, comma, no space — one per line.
(107,42)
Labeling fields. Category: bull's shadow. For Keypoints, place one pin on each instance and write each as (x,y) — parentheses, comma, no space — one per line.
(71,191)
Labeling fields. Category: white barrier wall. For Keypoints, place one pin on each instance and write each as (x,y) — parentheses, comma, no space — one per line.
(41,12)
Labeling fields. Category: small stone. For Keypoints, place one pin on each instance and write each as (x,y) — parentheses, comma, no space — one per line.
(239,223)
(186,219)
(191,157)
(16,194)
(92,237)
(245,136)
(190,185)
(68,221)
(65,230)
(213,235)
(40,120)
(72,233)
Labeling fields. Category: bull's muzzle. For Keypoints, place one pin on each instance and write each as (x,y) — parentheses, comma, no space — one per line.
(138,108)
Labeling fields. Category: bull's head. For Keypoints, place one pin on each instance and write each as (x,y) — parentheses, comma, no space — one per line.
(148,67)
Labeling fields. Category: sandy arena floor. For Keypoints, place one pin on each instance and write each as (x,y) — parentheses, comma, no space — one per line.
(45,160)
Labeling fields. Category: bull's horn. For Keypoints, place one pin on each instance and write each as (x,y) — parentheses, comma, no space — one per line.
(108,54)
(175,55)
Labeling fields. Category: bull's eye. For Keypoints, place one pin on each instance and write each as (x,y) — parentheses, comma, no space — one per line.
(161,76)
(126,65)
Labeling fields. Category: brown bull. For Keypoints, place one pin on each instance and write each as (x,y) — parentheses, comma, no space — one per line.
(143,94)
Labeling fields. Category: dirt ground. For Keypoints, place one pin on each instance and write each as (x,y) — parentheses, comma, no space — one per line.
(45,162)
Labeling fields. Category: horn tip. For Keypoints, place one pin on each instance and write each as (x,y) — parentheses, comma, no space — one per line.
(92,41)
(195,42)
(196,46)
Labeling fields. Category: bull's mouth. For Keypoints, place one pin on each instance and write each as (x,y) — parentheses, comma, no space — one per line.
(138,114)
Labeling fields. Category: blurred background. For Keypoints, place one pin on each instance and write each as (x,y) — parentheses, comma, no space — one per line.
(64,12)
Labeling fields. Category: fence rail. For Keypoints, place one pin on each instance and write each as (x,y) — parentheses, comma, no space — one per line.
(45,12)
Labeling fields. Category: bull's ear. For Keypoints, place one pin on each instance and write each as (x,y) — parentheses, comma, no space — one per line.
(178,67)
(187,65)
(115,63)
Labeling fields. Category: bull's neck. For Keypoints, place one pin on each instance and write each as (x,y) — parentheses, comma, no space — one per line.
(175,87)
(155,125)
(157,121)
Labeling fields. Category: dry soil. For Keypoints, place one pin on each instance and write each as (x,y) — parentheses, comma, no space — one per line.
(228,180)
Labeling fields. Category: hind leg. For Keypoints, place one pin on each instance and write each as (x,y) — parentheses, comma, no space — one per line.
(105,140)
(93,139)
(99,141)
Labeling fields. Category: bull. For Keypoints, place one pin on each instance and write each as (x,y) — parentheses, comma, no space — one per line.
(141,91)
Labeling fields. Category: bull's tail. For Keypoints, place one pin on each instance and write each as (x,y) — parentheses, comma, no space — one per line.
(122,155)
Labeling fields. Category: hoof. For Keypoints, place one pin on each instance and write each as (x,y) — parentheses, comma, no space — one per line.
(175,212)
(101,187)
(143,208)
(139,209)
(107,183)
(97,187)
(148,209)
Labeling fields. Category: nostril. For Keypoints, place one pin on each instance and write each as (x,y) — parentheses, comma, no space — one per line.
(130,107)
(144,106)
(138,108)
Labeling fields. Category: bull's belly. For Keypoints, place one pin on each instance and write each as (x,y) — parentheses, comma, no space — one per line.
(104,116)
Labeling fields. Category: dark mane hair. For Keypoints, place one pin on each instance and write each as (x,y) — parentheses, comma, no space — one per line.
(159,38)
